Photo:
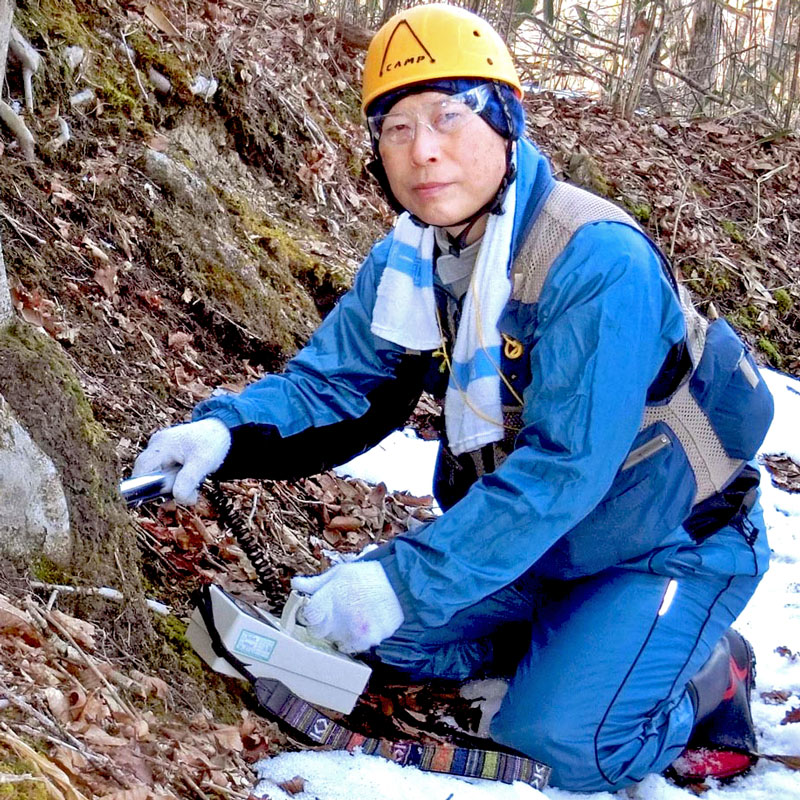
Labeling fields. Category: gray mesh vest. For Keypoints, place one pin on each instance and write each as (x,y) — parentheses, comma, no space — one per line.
(566,210)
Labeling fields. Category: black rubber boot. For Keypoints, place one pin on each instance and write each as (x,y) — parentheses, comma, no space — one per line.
(723,742)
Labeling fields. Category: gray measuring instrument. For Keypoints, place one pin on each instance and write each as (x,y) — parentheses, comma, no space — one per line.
(281,649)
(269,647)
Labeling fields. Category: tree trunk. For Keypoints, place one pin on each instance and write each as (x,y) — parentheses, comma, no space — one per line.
(6,15)
(389,10)
(704,43)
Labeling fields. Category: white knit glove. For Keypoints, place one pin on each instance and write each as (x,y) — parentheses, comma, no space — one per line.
(352,605)
(198,447)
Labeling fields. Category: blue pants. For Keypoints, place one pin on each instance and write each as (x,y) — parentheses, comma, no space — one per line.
(600,665)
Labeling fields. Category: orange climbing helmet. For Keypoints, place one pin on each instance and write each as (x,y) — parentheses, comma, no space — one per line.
(434,42)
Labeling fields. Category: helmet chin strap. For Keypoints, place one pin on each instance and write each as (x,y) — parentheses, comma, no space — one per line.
(457,243)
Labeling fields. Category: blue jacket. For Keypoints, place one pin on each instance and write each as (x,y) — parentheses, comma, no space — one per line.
(605,323)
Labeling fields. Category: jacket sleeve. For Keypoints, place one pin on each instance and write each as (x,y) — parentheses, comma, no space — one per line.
(342,393)
(607,319)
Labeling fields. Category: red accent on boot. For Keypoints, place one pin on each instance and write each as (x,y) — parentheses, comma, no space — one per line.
(738,675)
(695,766)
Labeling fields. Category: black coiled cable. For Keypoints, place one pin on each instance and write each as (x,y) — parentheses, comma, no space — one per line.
(234,521)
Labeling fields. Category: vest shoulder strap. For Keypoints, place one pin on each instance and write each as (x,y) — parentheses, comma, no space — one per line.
(566,209)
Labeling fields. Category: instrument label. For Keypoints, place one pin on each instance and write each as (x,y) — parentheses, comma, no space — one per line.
(254,645)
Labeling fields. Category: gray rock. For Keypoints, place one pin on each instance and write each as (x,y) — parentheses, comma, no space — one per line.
(184,185)
(34,519)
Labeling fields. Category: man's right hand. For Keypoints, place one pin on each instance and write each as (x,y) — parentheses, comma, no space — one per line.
(199,448)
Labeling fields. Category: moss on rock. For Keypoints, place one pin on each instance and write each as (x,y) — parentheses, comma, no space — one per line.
(783,300)
(732,230)
(771,350)
(38,382)
(31,789)
(52,25)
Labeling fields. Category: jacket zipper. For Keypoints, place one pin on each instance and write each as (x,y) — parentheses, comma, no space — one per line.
(646,450)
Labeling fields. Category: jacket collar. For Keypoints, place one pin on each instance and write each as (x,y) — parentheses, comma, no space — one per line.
(534,183)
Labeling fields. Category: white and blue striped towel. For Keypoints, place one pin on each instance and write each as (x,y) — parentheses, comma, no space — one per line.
(405,313)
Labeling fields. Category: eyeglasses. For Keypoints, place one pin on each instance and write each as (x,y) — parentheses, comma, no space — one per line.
(445,116)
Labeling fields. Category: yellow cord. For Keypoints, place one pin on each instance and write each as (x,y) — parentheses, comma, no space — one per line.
(443,351)
(483,345)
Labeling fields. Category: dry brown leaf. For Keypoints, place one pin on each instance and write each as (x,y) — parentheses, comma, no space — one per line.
(80,630)
(787,653)
(77,699)
(333,538)
(155,14)
(179,339)
(191,755)
(60,195)
(58,704)
(137,793)
(345,523)
(43,763)
(194,386)
(69,759)
(95,709)
(43,674)
(713,127)
(151,298)
(133,763)
(791,716)
(137,729)
(96,251)
(158,142)
(106,278)
(96,736)
(776,697)
(410,500)
(195,523)
(785,472)
(14,620)
(228,737)
(294,785)
(219,778)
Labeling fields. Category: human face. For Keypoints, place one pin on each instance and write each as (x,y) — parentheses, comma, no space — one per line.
(443,178)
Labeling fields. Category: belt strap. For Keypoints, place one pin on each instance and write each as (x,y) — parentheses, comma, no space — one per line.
(466,762)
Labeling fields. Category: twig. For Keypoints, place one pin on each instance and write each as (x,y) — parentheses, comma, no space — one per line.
(19,129)
(24,51)
(254,508)
(20,230)
(757,229)
(144,536)
(101,591)
(92,666)
(133,66)
(43,719)
(63,137)
(194,787)
(677,216)
(57,781)
(25,777)
(102,761)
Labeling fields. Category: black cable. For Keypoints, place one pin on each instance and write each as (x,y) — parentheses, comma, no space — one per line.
(246,536)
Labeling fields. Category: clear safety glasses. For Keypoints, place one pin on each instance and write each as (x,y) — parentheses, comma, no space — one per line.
(445,116)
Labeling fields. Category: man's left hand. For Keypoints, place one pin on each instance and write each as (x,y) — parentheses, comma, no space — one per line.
(352,605)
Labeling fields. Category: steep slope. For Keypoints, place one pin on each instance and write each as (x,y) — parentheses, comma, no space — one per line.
(191,235)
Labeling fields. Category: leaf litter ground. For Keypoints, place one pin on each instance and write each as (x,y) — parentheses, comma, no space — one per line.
(93,263)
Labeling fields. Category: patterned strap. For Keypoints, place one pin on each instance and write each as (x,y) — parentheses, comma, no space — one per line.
(305,719)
